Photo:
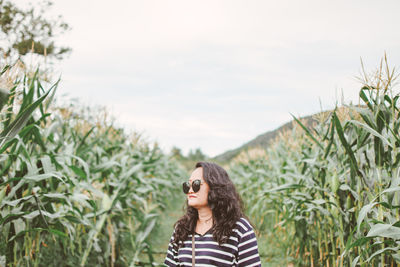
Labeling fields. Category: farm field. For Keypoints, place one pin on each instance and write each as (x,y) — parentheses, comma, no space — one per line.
(75,190)
(331,191)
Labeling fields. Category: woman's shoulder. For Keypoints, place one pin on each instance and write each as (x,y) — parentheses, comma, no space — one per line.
(243,225)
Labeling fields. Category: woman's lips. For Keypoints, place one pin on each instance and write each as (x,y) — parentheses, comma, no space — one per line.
(192,196)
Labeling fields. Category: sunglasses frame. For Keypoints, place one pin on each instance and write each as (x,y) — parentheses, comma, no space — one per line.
(196,188)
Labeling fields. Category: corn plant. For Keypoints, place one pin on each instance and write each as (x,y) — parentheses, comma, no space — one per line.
(332,190)
(74,188)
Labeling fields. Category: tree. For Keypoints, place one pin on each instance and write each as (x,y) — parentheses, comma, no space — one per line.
(196,155)
(28,30)
(176,153)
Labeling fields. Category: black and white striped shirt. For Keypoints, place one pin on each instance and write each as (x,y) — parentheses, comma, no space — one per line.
(240,250)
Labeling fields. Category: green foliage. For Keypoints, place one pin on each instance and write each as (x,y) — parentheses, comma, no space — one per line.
(28,30)
(75,189)
(332,191)
(188,162)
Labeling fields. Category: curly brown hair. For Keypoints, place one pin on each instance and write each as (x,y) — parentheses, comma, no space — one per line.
(224,201)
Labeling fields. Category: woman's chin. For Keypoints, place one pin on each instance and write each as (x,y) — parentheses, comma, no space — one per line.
(193,203)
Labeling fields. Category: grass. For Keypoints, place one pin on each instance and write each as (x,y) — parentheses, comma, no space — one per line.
(272,251)
(162,233)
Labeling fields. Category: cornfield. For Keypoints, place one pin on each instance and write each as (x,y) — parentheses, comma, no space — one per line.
(331,192)
(75,190)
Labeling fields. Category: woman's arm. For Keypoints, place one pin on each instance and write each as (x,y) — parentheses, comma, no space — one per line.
(171,259)
(247,248)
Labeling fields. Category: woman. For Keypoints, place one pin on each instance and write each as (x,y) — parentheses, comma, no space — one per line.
(222,234)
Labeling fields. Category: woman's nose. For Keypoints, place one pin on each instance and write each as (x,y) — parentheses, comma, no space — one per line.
(190,190)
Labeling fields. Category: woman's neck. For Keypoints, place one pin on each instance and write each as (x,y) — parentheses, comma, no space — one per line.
(205,215)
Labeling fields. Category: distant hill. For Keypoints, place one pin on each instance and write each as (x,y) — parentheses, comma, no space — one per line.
(263,140)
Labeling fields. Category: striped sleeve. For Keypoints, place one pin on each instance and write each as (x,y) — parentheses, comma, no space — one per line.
(247,247)
(171,259)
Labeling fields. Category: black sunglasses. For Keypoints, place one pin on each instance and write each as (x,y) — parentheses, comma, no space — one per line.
(195,186)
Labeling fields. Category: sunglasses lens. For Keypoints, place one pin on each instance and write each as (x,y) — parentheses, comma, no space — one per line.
(186,187)
(196,185)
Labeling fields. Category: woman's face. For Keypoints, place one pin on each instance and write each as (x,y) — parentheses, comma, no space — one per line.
(200,198)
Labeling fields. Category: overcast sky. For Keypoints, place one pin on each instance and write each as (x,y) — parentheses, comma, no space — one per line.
(215,74)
